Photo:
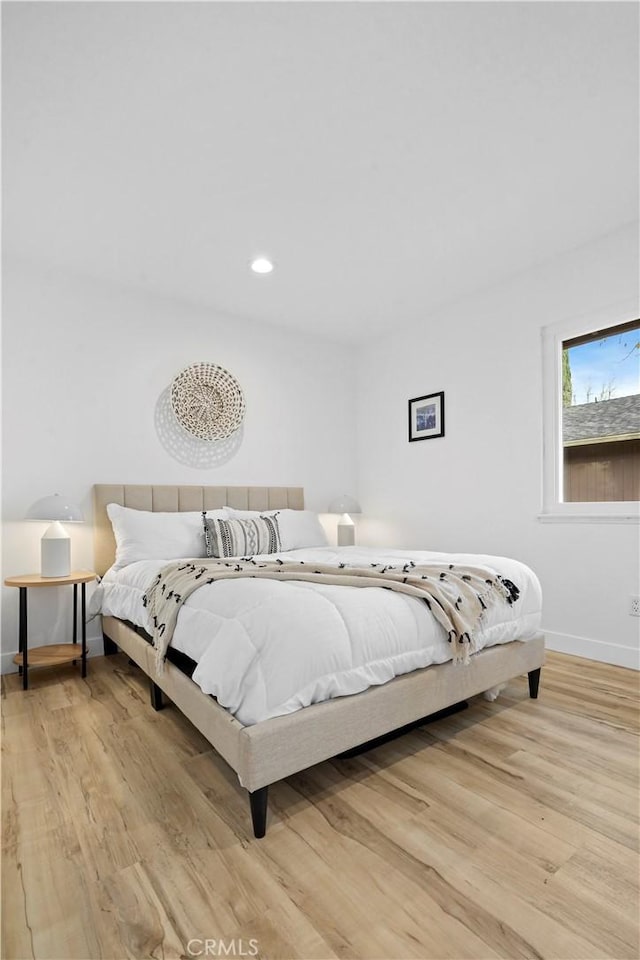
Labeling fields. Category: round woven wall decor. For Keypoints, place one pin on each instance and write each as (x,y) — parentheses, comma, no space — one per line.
(207,401)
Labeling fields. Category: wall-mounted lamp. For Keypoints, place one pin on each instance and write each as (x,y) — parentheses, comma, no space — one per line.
(346,527)
(55,546)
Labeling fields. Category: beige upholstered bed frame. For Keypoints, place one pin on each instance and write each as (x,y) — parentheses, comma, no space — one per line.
(269,751)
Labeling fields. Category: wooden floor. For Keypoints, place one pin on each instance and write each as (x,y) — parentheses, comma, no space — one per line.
(509,830)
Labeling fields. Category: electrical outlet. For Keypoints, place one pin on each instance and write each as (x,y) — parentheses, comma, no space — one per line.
(634,606)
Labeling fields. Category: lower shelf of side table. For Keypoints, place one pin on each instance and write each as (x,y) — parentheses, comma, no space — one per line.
(50,655)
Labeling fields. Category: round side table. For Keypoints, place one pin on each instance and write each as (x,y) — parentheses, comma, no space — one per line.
(53,653)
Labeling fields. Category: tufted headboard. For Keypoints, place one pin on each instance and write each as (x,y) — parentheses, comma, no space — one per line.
(172,499)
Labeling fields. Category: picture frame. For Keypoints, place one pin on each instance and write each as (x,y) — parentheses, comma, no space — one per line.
(426,417)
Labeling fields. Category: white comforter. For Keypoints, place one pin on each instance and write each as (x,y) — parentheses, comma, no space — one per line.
(266,648)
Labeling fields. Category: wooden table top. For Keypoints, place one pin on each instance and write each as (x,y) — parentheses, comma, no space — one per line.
(35,580)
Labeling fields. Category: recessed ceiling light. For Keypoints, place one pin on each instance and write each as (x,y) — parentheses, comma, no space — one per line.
(261,265)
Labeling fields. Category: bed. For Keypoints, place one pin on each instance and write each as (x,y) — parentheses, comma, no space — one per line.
(263,751)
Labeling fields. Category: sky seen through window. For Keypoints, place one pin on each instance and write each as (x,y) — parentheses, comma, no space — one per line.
(607,368)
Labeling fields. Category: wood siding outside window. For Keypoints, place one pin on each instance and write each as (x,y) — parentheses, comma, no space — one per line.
(600,472)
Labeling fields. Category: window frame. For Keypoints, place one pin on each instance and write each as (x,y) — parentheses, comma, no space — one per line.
(553,336)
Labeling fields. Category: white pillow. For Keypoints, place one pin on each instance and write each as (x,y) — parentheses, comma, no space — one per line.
(298,528)
(144,535)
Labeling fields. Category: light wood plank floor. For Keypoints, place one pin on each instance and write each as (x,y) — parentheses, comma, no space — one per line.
(509,830)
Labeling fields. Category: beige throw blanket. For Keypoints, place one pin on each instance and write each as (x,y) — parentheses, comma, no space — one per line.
(456,595)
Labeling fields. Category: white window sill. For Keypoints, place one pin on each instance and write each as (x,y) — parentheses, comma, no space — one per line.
(589,518)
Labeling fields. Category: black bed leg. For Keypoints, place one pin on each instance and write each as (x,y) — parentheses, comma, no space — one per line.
(156,696)
(258,800)
(109,646)
(534,683)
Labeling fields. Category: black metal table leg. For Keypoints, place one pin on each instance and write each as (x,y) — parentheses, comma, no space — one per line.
(83,609)
(75,615)
(22,637)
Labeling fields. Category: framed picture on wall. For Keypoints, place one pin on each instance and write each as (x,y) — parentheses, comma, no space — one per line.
(426,417)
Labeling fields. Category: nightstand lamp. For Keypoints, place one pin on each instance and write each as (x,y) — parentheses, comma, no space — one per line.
(55,546)
(346,527)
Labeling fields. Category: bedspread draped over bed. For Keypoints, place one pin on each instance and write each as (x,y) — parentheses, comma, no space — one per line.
(267,647)
(456,595)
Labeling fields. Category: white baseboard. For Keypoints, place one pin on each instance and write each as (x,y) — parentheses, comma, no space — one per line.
(94,649)
(615,653)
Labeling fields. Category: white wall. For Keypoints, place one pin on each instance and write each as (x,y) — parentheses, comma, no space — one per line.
(479,488)
(84,366)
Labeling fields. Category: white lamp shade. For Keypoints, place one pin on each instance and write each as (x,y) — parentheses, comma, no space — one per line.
(344,504)
(55,507)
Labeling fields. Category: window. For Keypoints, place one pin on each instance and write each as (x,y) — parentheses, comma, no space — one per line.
(592,419)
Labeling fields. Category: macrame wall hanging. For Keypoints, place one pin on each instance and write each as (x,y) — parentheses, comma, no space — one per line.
(199,417)
(207,401)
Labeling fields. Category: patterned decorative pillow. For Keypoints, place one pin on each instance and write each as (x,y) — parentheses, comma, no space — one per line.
(241,538)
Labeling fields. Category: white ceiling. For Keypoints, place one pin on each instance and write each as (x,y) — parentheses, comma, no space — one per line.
(389,157)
